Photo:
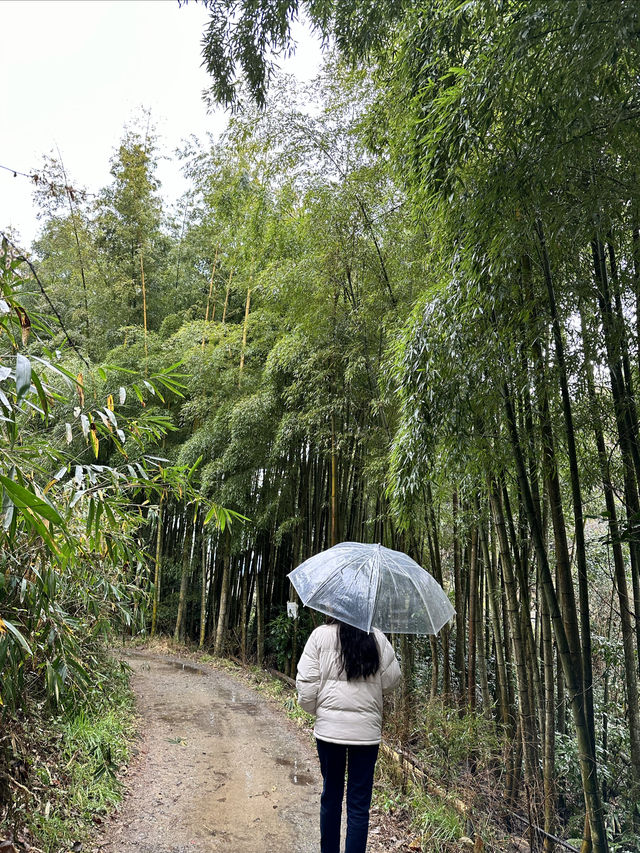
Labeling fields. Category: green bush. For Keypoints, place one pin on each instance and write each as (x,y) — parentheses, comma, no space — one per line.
(449,741)
(68,762)
(280,638)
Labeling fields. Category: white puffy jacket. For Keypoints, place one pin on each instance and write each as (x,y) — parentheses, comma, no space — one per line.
(346,711)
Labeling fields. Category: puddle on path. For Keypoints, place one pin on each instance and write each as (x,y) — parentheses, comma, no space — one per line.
(297,776)
(246,707)
(189,668)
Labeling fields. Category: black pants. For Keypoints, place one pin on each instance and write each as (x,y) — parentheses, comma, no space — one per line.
(359,762)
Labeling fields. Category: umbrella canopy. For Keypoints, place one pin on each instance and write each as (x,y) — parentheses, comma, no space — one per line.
(371,586)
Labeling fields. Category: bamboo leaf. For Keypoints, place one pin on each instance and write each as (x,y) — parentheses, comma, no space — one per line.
(90,515)
(95,443)
(25,499)
(84,421)
(23,376)
(109,413)
(18,635)
(4,400)
(138,394)
(8,508)
(41,395)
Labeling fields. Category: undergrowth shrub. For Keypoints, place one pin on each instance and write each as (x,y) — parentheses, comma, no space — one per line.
(66,763)
(448,742)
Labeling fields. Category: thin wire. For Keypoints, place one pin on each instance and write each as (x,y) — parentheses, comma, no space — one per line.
(17,172)
(22,257)
(35,178)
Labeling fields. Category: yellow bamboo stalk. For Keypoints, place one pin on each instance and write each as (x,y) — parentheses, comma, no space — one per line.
(334,484)
(144,309)
(206,314)
(157,579)
(226,298)
(244,329)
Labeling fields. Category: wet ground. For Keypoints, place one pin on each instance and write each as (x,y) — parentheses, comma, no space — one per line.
(220,768)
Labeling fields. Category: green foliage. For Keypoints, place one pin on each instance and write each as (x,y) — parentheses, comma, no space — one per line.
(436,822)
(73,556)
(253,36)
(433,820)
(448,741)
(282,629)
(72,760)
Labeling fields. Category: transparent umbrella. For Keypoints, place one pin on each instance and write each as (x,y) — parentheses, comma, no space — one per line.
(372,586)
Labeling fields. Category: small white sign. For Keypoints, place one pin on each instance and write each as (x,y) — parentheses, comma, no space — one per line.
(292,609)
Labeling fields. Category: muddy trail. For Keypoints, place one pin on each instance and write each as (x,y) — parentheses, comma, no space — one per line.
(219,768)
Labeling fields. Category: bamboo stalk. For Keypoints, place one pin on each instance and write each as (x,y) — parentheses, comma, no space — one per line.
(226,298)
(334,478)
(244,330)
(203,592)
(211,281)
(158,567)
(144,310)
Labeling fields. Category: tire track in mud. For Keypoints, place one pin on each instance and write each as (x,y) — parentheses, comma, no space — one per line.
(219,769)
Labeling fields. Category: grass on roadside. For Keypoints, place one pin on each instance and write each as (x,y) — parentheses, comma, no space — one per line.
(434,823)
(277,690)
(68,764)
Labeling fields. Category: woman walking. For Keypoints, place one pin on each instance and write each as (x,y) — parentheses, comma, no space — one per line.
(342,676)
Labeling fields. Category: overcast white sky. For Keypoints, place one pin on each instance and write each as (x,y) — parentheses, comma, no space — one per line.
(73,72)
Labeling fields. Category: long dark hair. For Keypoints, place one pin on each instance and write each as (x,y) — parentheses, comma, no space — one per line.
(359,652)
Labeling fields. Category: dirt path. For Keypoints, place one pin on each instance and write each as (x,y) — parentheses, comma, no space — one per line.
(220,769)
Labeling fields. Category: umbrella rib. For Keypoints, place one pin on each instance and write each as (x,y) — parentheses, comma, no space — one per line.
(331,576)
(377,591)
(418,590)
(375,604)
(426,607)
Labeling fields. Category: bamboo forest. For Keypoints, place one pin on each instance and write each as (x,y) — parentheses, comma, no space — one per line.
(398,305)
